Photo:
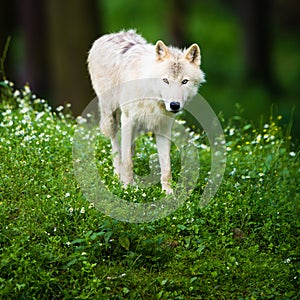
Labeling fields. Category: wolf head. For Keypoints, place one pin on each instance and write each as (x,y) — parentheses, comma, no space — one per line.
(179,74)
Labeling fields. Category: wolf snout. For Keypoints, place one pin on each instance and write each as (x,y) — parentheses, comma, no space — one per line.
(175,106)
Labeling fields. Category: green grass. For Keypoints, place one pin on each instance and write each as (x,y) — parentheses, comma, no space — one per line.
(54,244)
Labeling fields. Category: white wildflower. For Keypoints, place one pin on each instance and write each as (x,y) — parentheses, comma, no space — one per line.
(258,138)
(39,115)
(16,93)
(287,261)
(10,123)
(232,172)
(204,147)
(181,122)
(27,89)
(81,120)
(7,112)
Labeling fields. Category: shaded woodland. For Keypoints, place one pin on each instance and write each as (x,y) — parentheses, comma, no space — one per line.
(250,48)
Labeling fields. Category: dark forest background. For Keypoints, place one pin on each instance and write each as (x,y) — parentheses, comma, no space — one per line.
(250,48)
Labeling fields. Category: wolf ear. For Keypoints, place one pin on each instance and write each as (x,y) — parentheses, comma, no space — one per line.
(193,55)
(161,50)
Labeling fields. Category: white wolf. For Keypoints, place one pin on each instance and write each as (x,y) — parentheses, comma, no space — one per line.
(163,80)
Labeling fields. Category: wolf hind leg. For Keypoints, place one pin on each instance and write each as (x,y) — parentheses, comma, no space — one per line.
(109,126)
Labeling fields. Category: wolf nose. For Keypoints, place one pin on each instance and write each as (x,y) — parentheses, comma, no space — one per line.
(174,106)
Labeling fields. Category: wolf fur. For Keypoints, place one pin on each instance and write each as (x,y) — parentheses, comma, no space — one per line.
(140,85)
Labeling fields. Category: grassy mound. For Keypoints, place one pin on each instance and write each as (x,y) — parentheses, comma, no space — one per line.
(54,244)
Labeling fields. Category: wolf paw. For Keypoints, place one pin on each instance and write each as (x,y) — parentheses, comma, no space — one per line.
(168,190)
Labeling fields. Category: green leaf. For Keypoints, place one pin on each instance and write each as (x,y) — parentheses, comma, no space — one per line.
(181,227)
(77,241)
(164,281)
(96,234)
(200,248)
(107,236)
(247,127)
(193,279)
(214,274)
(124,242)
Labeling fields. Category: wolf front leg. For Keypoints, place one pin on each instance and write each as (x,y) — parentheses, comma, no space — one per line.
(163,143)
(127,129)
(116,153)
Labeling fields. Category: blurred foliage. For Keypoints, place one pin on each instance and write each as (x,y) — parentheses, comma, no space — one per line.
(217,27)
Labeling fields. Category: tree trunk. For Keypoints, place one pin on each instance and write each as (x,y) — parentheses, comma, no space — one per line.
(177,23)
(35,69)
(7,28)
(256,21)
(73,26)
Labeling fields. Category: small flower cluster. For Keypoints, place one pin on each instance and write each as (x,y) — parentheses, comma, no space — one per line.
(81,210)
(32,121)
(266,145)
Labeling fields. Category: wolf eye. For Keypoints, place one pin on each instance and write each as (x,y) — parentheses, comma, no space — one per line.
(184,81)
(166,80)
